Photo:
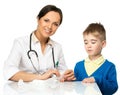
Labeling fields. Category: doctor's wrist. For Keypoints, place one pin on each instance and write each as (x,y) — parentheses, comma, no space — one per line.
(39,77)
(42,76)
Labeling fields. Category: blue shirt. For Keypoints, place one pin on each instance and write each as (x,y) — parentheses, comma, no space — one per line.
(105,76)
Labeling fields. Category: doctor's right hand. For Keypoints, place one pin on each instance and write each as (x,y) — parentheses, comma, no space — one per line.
(49,74)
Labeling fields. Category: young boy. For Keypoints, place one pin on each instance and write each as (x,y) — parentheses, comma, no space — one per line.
(95,68)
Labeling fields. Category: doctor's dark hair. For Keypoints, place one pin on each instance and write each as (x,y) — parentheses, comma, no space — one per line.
(96,29)
(49,8)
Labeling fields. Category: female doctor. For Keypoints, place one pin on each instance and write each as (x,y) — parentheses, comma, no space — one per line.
(37,56)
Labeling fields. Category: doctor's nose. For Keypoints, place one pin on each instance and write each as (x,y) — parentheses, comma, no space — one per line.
(49,25)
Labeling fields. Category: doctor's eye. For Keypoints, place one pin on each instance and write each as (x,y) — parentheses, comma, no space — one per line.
(56,24)
(46,20)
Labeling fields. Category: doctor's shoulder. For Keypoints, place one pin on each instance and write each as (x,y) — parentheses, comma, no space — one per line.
(56,44)
(22,39)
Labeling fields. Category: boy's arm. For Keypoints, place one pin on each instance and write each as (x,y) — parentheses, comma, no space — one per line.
(108,83)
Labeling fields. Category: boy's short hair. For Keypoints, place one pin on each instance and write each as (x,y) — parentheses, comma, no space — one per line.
(97,29)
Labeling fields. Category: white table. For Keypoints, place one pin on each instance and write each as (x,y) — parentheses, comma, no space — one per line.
(50,87)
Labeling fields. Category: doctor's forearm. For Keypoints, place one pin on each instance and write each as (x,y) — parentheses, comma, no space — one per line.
(27,77)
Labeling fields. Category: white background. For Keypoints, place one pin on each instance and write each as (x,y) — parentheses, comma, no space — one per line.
(18,18)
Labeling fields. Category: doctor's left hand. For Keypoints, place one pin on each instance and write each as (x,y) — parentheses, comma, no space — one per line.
(49,73)
(68,76)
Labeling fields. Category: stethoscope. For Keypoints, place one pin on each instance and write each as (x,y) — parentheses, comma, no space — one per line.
(33,51)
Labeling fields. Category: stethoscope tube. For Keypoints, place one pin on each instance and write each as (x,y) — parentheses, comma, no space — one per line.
(31,50)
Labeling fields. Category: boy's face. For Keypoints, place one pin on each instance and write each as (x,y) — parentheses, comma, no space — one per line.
(93,45)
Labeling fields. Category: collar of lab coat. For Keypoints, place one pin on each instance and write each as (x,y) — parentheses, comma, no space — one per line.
(35,40)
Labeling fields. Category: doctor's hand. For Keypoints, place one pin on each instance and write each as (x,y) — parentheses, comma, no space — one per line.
(50,73)
(68,76)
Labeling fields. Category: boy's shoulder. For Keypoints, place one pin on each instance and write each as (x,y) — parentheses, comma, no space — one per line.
(108,62)
(80,62)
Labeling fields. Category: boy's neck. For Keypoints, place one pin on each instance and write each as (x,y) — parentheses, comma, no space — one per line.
(92,58)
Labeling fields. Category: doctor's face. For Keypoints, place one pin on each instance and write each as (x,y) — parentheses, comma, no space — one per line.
(48,24)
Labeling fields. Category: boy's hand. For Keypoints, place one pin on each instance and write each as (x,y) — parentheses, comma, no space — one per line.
(88,80)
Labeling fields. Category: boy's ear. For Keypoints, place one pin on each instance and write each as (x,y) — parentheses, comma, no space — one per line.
(103,43)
